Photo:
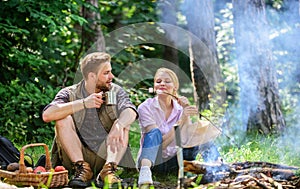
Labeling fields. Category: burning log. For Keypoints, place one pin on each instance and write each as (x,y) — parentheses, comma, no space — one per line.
(243,175)
(204,168)
(249,164)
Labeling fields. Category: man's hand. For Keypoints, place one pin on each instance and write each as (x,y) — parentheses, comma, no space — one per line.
(94,100)
(115,139)
(118,135)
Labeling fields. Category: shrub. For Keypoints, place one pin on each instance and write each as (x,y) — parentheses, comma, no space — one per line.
(21,111)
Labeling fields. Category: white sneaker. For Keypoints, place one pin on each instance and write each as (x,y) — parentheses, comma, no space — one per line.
(145,176)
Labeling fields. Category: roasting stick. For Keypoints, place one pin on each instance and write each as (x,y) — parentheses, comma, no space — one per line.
(232,141)
(151,91)
(163,92)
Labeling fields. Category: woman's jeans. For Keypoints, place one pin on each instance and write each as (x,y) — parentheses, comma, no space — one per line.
(152,151)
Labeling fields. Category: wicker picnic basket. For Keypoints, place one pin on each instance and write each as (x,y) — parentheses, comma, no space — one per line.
(22,178)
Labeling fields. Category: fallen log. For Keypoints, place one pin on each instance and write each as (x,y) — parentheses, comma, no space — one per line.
(277,174)
(243,175)
(197,167)
(249,164)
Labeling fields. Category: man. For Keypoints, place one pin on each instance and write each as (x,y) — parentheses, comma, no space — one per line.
(91,136)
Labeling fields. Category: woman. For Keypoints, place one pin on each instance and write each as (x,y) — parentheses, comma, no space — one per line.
(157,116)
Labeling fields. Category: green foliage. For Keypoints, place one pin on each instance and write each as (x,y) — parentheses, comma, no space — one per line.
(115,13)
(38,43)
(21,110)
(29,37)
(225,48)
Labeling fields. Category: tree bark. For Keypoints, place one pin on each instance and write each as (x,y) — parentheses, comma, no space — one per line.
(207,75)
(168,15)
(259,99)
(92,36)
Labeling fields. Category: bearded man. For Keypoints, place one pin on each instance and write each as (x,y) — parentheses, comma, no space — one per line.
(91,136)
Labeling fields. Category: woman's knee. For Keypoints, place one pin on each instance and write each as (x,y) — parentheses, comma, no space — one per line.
(151,147)
(153,138)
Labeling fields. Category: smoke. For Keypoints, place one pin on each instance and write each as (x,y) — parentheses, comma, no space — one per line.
(283,34)
(285,38)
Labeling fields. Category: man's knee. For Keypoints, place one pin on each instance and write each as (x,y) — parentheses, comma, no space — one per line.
(65,124)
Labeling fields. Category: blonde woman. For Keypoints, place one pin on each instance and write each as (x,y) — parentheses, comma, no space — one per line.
(157,117)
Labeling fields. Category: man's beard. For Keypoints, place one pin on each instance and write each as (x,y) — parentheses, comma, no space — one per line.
(102,87)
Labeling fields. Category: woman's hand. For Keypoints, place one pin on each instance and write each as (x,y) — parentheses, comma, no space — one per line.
(190,110)
(187,112)
(183,101)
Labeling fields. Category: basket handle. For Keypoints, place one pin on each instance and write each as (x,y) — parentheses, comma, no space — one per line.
(48,165)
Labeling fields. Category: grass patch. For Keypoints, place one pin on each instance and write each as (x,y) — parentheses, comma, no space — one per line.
(255,147)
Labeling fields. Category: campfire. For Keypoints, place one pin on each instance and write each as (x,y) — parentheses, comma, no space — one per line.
(242,175)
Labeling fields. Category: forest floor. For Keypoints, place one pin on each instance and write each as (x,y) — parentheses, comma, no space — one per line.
(131,183)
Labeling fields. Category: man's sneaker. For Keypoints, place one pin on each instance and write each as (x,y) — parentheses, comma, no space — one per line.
(145,176)
(108,174)
(82,176)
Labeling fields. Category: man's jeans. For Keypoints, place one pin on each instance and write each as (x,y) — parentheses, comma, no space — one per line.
(152,151)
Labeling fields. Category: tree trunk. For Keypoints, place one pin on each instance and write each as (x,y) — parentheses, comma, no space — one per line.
(259,99)
(207,75)
(92,36)
(168,15)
